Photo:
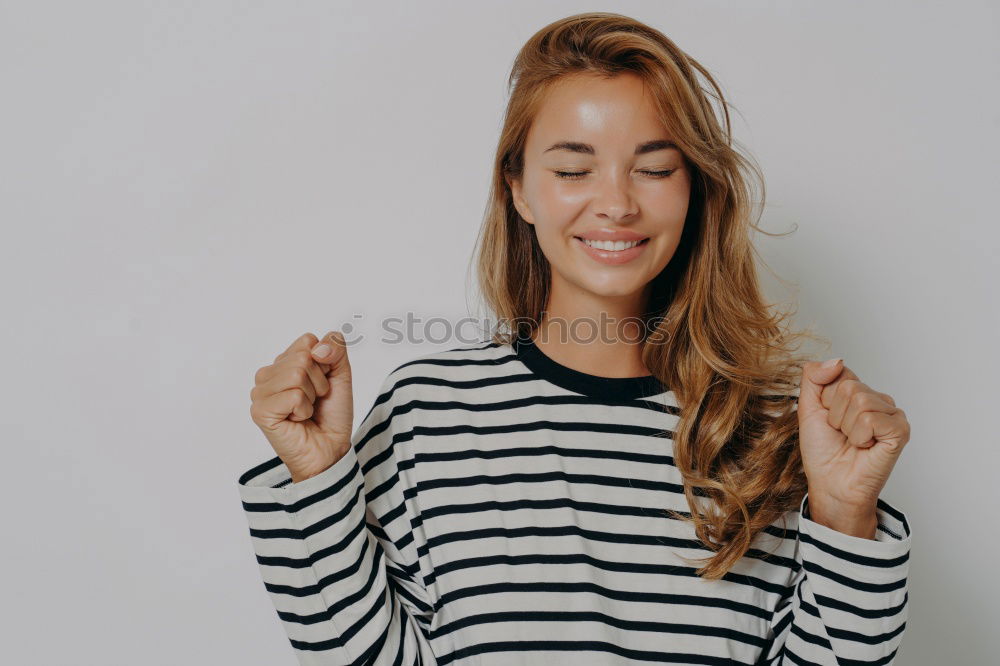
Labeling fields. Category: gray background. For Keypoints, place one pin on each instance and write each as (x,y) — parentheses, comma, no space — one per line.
(186,187)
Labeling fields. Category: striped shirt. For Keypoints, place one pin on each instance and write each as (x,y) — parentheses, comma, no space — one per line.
(498,507)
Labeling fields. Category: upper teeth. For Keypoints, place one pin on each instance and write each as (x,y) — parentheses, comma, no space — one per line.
(610,245)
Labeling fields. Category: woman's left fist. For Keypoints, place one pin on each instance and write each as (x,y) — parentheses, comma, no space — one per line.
(850,436)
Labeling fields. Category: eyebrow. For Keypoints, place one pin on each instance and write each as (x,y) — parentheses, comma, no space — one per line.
(587,149)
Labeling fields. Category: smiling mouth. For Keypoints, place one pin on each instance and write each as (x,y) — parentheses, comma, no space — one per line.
(612,249)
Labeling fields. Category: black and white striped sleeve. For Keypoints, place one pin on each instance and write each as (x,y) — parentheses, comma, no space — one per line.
(337,552)
(848,603)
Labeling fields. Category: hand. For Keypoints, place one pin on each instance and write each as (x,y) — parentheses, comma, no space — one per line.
(850,437)
(304,404)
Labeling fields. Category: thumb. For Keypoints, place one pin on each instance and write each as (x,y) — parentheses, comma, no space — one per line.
(815,376)
(335,410)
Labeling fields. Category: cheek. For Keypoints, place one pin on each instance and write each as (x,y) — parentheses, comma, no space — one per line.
(556,206)
(671,205)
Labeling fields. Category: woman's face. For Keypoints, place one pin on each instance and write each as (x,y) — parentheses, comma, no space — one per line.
(590,167)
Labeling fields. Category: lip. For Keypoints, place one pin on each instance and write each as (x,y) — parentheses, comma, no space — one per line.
(612,257)
(612,235)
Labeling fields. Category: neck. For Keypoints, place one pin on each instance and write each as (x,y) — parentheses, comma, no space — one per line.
(598,336)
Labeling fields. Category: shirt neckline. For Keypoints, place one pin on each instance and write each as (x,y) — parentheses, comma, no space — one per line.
(608,388)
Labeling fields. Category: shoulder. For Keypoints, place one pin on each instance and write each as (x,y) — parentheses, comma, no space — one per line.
(421,390)
(454,363)
(456,367)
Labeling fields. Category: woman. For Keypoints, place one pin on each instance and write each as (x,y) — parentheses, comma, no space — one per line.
(541,497)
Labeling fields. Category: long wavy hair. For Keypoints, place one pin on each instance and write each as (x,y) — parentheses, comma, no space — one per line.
(725,352)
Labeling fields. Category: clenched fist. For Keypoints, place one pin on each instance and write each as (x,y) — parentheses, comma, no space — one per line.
(850,436)
(304,404)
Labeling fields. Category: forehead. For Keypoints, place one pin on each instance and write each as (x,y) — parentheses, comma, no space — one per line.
(614,113)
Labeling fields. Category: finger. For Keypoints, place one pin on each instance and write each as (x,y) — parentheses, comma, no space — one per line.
(874,427)
(335,416)
(827,393)
(270,412)
(829,390)
(295,400)
(861,402)
(306,341)
(292,373)
(264,375)
(317,371)
(816,376)
(317,374)
(336,362)
(324,352)
(838,399)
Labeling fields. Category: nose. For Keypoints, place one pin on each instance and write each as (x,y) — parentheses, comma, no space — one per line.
(613,199)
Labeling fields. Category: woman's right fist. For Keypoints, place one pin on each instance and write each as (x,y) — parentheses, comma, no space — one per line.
(304,405)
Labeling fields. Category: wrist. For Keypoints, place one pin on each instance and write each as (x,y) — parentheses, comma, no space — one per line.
(298,477)
(853,521)
(306,469)
(301,474)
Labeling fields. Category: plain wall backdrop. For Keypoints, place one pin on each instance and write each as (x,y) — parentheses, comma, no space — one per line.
(187,187)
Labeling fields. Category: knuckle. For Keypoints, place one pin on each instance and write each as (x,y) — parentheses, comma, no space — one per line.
(865,399)
(303,405)
(308,339)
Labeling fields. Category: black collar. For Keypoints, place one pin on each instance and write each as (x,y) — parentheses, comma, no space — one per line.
(610,388)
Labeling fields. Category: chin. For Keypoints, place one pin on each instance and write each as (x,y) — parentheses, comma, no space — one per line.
(615,290)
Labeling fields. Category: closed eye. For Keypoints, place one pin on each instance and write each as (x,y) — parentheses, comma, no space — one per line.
(577,175)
